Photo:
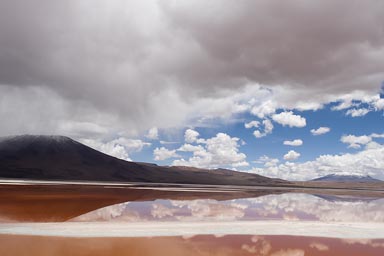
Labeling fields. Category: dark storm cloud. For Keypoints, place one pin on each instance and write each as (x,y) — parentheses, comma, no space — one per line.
(338,44)
(136,59)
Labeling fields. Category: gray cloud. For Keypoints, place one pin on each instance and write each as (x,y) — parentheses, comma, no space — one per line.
(329,43)
(146,63)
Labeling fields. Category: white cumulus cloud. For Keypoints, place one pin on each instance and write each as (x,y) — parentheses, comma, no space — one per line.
(357,112)
(191,136)
(252,124)
(357,141)
(220,150)
(291,155)
(294,143)
(162,153)
(359,104)
(268,128)
(320,131)
(267,161)
(264,109)
(289,119)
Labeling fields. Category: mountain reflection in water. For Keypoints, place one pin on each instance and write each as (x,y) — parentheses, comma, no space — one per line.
(290,206)
(149,221)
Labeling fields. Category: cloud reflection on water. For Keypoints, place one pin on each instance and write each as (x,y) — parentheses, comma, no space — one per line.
(290,206)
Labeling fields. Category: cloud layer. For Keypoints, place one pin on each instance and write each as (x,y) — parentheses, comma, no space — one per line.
(147,63)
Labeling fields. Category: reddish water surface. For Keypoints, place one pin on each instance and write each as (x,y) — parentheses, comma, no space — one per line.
(193,246)
(126,206)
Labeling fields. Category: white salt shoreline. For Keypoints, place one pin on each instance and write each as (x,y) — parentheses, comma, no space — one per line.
(156,229)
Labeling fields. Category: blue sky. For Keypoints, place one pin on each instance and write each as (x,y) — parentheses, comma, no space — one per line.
(177,82)
(345,139)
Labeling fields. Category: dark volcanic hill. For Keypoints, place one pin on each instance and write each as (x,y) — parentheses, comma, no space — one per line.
(61,158)
(346,178)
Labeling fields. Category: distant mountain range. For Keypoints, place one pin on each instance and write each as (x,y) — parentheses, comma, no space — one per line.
(346,178)
(61,158)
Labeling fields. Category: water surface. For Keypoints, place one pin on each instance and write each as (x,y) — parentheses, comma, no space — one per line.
(65,220)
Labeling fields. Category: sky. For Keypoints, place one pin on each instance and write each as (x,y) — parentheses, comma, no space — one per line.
(289,89)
